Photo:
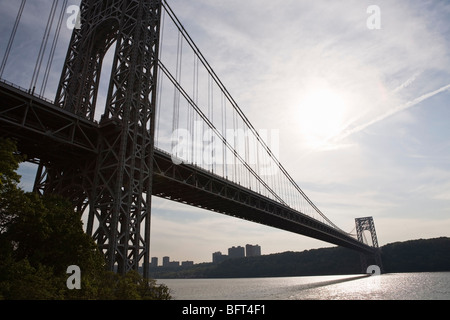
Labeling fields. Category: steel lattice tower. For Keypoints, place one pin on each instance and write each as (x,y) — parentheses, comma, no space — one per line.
(363,224)
(116,184)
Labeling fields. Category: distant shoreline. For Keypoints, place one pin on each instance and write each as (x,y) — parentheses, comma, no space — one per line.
(422,255)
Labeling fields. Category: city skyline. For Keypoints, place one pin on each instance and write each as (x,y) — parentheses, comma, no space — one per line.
(247,251)
(362,113)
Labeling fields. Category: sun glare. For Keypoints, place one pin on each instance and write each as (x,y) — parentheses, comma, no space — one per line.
(321,115)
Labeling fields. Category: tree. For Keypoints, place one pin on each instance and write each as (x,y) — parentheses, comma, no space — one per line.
(9,193)
(41,236)
(9,163)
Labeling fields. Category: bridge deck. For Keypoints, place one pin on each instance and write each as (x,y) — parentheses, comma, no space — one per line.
(46,132)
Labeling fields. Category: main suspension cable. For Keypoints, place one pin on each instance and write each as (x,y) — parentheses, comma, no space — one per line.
(243,116)
(215,130)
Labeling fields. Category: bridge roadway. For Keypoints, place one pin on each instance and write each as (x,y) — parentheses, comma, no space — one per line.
(53,135)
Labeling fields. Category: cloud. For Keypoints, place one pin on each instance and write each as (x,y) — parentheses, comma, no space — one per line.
(269,55)
(28,40)
(407,83)
(392,112)
(392,229)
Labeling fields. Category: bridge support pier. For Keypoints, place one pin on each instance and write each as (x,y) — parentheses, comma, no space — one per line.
(367,224)
(116,184)
(368,260)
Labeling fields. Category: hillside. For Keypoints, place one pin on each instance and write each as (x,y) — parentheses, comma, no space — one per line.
(410,256)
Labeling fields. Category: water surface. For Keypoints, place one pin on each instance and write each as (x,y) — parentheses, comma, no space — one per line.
(395,286)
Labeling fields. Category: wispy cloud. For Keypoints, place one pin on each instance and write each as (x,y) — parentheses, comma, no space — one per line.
(407,83)
(391,112)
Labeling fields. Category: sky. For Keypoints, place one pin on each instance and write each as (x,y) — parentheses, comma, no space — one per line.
(360,98)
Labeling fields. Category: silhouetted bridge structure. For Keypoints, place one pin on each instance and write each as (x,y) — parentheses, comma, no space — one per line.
(110,166)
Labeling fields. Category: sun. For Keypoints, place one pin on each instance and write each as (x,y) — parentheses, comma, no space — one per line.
(321,115)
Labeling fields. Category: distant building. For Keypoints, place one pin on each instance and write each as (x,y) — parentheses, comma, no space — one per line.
(236,252)
(166,261)
(218,257)
(174,264)
(187,263)
(252,251)
(154,262)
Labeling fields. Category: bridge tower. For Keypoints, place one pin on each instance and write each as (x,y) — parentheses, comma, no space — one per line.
(367,224)
(115,185)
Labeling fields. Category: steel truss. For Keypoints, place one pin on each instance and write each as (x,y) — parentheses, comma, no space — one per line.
(118,184)
(367,224)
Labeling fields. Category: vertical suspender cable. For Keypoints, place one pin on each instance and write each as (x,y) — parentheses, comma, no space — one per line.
(176,93)
(53,48)
(193,124)
(234,147)
(213,141)
(214,129)
(211,118)
(257,161)
(37,68)
(11,38)
(160,79)
(225,160)
(245,119)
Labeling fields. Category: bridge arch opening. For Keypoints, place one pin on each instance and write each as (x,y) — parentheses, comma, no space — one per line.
(367,237)
(104,82)
(102,42)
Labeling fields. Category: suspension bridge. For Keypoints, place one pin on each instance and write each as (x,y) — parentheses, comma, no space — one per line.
(163,124)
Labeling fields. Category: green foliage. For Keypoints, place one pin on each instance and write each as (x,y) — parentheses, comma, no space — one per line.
(422,255)
(9,162)
(21,281)
(133,286)
(41,237)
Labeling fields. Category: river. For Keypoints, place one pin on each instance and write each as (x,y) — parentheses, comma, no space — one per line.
(395,286)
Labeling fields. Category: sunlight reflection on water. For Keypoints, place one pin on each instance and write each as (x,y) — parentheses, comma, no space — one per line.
(410,286)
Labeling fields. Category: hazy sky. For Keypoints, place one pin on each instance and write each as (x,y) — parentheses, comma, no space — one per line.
(363,113)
